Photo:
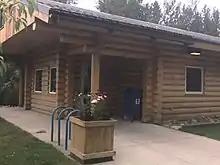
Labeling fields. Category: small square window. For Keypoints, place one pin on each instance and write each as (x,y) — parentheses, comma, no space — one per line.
(38,80)
(53,80)
(194,80)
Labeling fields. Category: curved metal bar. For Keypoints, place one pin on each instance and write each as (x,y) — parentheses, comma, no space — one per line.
(68,128)
(59,122)
(52,121)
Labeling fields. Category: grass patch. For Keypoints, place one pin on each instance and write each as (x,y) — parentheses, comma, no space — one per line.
(211,131)
(19,148)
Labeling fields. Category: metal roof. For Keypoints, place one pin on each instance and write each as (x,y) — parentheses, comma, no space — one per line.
(76,11)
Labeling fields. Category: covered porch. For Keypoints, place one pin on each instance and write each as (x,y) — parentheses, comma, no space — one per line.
(120,78)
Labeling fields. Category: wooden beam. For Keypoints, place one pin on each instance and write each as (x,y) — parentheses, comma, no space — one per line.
(129,47)
(21,87)
(95,73)
(124,53)
(47,28)
(104,27)
(27,84)
(85,29)
(206,46)
(145,85)
(42,16)
(159,89)
(78,40)
(90,49)
(60,75)
(81,50)
(69,22)
(69,80)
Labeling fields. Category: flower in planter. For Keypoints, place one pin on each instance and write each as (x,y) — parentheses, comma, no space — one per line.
(92,106)
(94,101)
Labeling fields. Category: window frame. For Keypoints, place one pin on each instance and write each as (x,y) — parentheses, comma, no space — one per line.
(50,80)
(202,80)
(35,78)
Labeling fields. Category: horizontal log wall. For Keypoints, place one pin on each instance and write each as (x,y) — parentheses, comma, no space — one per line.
(176,104)
(44,102)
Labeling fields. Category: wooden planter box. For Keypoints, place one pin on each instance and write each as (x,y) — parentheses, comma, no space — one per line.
(92,141)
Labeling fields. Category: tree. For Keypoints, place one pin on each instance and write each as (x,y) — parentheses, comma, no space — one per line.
(9,85)
(126,8)
(8,8)
(155,12)
(68,1)
(216,22)
(8,73)
(171,13)
(152,12)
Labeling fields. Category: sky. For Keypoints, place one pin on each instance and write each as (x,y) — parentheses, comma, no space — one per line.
(91,4)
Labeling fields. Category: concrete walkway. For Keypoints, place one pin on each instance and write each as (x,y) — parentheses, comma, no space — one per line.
(135,143)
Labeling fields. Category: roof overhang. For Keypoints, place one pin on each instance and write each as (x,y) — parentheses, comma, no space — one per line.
(94,16)
(29,40)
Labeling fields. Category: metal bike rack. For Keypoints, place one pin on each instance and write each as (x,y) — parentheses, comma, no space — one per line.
(52,120)
(59,120)
(68,127)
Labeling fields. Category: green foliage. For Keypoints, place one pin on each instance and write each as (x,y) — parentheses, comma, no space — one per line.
(210,131)
(9,85)
(171,13)
(67,1)
(20,148)
(8,77)
(10,7)
(2,66)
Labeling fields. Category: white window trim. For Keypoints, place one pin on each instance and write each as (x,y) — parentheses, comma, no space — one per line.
(35,76)
(50,81)
(202,80)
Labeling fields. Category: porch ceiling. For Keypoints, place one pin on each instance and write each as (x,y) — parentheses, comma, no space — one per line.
(28,41)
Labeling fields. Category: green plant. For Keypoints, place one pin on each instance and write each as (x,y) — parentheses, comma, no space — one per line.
(9,85)
(92,106)
(8,9)
(2,67)
(8,78)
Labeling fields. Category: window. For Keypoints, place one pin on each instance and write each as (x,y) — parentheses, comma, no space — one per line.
(53,77)
(194,80)
(38,80)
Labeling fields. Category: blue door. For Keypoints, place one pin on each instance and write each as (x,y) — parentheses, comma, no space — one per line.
(132,103)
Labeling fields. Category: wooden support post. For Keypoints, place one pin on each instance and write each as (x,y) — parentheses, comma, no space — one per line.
(159,90)
(147,92)
(60,84)
(69,81)
(27,85)
(157,82)
(95,71)
(21,87)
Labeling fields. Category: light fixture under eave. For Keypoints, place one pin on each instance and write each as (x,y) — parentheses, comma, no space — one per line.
(195,53)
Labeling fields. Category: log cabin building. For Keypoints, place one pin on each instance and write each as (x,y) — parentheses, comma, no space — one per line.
(151,71)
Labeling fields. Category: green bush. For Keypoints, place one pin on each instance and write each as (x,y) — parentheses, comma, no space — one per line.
(9,85)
